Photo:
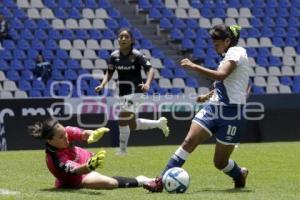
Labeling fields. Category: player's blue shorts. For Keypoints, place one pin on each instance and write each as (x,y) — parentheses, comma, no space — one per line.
(225,122)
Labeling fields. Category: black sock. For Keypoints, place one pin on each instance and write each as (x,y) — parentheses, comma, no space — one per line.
(125,182)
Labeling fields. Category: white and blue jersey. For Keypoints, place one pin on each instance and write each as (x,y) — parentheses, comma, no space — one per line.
(223,115)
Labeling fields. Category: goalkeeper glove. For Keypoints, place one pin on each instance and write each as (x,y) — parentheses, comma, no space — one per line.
(96,160)
(97,134)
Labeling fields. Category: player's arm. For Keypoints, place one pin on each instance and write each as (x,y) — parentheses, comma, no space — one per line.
(204,97)
(107,77)
(225,70)
(143,61)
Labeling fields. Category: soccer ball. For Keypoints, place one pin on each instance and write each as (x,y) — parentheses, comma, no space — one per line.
(176,180)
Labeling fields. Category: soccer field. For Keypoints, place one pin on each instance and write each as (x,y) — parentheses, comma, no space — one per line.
(273,174)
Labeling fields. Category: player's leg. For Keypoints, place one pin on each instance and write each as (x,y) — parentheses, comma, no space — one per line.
(197,134)
(95,180)
(223,162)
(124,129)
(146,124)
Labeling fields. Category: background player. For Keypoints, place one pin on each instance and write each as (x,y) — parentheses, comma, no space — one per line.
(222,116)
(74,166)
(129,62)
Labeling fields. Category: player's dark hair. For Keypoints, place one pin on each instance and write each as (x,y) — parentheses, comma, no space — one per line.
(43,129)
(221,32)
(129,32)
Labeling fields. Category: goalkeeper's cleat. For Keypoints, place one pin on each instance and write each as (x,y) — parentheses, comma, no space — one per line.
(163,125)
(97,134)
(121,152)
(155,185)
(96,160)
(240,182)
(143,180)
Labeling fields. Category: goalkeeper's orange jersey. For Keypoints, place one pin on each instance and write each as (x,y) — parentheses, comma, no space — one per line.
(61,163)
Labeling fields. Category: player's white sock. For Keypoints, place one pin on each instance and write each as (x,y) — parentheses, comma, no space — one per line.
(124,137)
(145,124)
(181,153)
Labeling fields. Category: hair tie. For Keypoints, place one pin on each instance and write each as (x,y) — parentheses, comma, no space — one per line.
(235,29)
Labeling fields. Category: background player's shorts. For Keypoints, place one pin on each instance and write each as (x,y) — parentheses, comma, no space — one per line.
(225,122)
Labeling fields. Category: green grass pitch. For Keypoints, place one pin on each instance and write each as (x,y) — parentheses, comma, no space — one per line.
(274,174)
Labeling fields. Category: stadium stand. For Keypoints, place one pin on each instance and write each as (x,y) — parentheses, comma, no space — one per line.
(77,36)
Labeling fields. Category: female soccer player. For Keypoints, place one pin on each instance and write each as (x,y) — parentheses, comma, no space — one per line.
(129,62)
(223,115)
(73,166)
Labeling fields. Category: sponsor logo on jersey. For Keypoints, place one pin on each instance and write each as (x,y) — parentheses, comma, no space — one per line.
(122,67)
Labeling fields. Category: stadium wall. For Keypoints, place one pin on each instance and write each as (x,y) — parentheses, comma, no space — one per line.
(280,122)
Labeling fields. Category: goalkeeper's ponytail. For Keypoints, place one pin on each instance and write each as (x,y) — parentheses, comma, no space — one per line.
(43,130)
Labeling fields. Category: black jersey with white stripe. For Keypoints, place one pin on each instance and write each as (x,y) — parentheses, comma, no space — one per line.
(129,70)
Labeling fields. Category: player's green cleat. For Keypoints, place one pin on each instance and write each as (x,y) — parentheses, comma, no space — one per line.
(96,160)
(97,134)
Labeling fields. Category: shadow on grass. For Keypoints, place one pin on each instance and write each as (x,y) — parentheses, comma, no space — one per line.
(231,190)
(79,191)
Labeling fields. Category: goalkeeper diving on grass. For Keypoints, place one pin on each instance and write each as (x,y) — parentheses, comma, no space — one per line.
(73,166)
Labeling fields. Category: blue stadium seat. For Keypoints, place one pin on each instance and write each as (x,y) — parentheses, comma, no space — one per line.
(54,34)
(19,54)
(179,23)
(220,13)
(30,24)
(43,24)
(180,73)
(16,64)
(283,12)
(196,4)
(109,34)
(264,51)
(40,34)
(271,4)
(74,13)
(62,54)
(221,4)
(176,34)
(157,53)
(268,21)
(6,13)
(256,22)
(114,13)
(207,13)
(208,4)
(286,80)
(23,44)
(51,44)
(38,85)
(37,44)
(59,64)
(104,54)
(5,55)
(279,32)
(57,75)
(176,91)
(82,34)
(24,85)
(270,12)
(96,34)
(73,64)
(29,64)
(169,63)
(167,73)
(3,64)
(63,4)
(14,34)
(158,4)
(281,22)
(8,44)
(26,34)
(251,52)
(68,34)
(124,23)
(292,32)
(262,61)
(247,3)
(48,54)
(9,4)
(165,23)
(51,4)
(192,23)
(275,61)
(267,32)
(278,41)
(187,44)
(291,41)
(210,62)
(162,91)
(137,34)
(198,53)
(189,33)
(19,13)
(77,4)
(144,4)
(35,93)
(27,75)
(257,12)
(201,42)
(91,4)
(12,75)
(254,33)
(154,84)
(16,24)
(259,3)
(167,13)
(202,32)
(70,74)
(154,14)
(146,44)
(192,82)
(104,4)
(32,53)
(257,90)
(112,24)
